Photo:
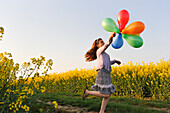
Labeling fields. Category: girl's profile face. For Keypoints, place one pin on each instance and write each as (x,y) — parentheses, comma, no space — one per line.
(100,43)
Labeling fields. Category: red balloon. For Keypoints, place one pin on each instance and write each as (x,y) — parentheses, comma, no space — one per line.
(122,18)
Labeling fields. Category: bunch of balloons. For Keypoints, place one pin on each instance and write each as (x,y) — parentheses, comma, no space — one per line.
(131,33)
(1,32)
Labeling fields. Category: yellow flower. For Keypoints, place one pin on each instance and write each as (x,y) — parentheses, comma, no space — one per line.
(1,102)
(27,108)
(42,89)
(147,83)
(55,104)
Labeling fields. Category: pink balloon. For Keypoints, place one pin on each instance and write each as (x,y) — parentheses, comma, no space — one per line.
(122,18)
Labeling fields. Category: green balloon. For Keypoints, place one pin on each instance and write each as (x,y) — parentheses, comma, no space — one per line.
(133,40)
(109,25)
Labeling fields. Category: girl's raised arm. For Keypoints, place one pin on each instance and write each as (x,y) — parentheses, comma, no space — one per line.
(106,45)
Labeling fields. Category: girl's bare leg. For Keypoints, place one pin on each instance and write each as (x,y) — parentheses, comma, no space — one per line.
(104,101)
(96,93)
(104,104)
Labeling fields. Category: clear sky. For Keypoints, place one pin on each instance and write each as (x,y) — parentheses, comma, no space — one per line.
(64,30)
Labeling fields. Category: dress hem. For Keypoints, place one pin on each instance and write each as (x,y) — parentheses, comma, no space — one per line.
(104,89)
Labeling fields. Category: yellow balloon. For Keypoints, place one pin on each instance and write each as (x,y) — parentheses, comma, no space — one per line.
(138,34)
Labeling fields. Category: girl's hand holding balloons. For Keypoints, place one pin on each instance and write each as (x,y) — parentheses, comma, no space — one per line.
(113,35)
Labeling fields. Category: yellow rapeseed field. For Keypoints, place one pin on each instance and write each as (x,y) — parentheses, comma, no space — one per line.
(15,90)
(131,80)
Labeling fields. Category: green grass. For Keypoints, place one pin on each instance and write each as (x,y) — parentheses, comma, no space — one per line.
(116,104)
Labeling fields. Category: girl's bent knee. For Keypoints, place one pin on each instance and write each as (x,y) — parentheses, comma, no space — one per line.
(107,96)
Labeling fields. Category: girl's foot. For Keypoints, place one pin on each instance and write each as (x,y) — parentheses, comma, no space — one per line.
(85,94)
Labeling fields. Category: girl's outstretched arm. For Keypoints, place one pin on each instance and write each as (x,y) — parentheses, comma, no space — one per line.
(115,61)
(106,45)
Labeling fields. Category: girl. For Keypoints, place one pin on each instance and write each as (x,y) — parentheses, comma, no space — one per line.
(103,86)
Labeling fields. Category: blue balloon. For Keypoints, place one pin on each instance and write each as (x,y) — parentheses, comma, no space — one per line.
(118,42)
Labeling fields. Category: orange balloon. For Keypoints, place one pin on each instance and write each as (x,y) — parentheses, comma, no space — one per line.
(134,28)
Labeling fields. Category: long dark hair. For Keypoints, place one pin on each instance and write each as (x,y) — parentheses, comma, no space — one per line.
(91,54)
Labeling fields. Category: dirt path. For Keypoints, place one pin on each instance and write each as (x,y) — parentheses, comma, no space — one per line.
(69,108)
(72,109)
(165,109)
(155,108)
